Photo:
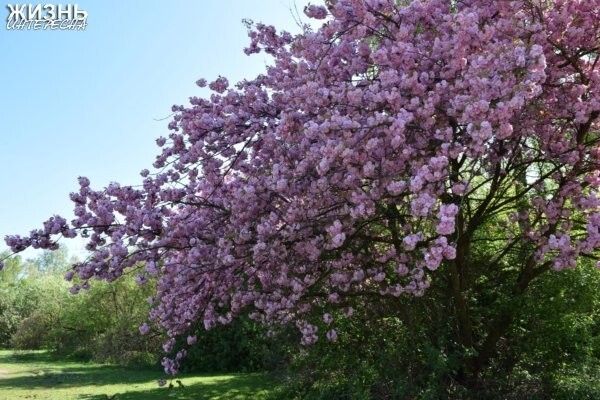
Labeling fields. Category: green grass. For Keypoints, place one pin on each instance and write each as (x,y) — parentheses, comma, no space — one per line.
(36,375)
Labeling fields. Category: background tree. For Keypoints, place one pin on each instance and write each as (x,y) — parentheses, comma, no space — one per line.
(401,147)
(8,310)
(38,312)
(31,290)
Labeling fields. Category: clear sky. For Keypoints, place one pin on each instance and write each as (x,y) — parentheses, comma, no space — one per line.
(87,103)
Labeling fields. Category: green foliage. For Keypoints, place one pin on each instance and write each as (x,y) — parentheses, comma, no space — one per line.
(102,324)
(551,351)
(242,346)
(30,297)
(9,316)
(374,357)
(554,347)
(38,312)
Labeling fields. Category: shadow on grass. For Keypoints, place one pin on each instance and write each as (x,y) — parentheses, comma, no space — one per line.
(234,387)
(77,376)
(40,371)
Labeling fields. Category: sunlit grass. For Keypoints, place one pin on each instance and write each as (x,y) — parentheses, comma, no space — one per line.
(35,375)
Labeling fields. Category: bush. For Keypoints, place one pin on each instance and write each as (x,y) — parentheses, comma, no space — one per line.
(38,312)
(550,352)
(31,333)
(103,323)
(242,346)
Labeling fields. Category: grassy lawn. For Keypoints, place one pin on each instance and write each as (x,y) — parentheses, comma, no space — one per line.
(35,375)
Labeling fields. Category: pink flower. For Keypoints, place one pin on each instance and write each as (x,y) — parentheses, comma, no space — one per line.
(144,328)
(410,241)
(219,85)
(317,12)
(446,216)
(191,340)
(331,335)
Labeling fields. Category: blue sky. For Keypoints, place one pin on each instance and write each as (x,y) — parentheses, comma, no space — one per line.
(86,103)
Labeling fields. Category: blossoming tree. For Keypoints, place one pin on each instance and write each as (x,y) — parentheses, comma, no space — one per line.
(362,164)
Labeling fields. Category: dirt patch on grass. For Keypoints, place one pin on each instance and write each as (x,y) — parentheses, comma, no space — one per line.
(3,373)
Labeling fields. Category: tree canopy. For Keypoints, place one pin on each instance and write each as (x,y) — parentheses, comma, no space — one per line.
(377,153)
